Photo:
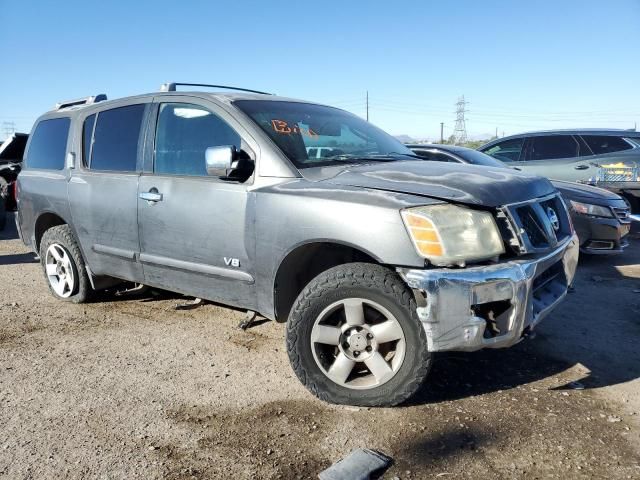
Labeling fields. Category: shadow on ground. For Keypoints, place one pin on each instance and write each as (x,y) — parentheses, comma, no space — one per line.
(17,258)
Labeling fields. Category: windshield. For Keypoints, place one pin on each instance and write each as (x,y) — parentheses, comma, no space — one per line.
(314,135)
(478,158)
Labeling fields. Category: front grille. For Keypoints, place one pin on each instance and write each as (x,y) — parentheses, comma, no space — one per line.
(537,225)
(533,227)
(622,213)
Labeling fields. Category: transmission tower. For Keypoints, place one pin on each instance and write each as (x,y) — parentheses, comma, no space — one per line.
(460,130)
(8,128)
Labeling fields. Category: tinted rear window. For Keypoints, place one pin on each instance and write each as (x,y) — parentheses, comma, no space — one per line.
(600,144)
(553,146)
(49,144)
(115,139)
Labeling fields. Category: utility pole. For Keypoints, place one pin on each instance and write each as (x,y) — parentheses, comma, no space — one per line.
(367,105)
(441,132)
(460,130)
(496,132)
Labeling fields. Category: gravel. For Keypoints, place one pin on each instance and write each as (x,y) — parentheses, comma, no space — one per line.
(133,388)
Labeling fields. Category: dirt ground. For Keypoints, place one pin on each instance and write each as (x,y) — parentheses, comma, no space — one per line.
(133,388)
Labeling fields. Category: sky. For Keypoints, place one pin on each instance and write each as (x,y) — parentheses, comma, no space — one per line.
(522,66)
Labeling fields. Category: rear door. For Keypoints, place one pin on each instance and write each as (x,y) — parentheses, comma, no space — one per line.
(103,189)
(196,231)
(558,157)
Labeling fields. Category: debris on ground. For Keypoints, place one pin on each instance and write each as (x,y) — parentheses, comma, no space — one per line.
(248,320)
(197,302)
(358,465)
(138,289)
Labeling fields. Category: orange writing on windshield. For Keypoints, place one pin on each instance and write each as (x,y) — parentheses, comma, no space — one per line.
(284,128)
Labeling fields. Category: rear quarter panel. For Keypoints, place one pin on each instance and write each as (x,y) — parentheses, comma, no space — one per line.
(39,192)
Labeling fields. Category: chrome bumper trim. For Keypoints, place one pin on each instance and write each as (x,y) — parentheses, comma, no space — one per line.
(451,294)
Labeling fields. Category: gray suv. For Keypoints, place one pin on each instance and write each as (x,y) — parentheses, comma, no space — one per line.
(374,258)
(609,158)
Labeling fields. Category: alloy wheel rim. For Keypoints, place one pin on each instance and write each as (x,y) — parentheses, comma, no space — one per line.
(59,270)
(358,344)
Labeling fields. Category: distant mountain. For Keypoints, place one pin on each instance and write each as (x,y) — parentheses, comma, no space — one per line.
(405,138)
(482,136)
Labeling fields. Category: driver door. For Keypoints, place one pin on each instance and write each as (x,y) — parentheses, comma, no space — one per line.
(196,233)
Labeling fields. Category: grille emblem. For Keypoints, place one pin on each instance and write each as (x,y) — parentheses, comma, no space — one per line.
(553,219)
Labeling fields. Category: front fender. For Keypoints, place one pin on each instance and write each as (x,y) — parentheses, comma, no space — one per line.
(288,216)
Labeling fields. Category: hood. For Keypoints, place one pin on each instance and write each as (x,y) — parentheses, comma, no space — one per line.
(579,191)
(454,182)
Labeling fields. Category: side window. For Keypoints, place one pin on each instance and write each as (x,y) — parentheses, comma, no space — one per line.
(115,139)
(553,146)
(183,134)
(87,137)
(600,144)
(49,144)
(507,151)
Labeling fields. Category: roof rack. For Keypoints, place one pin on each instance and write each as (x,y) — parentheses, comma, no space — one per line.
(171,87)
(101,97)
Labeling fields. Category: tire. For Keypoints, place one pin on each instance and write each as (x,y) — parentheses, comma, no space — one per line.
(59,243)
(323,306)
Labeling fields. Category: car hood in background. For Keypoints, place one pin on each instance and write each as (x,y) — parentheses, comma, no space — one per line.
(469,184)
(581,192)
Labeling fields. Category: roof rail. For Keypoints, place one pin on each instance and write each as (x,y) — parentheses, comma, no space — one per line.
(101,97)
(171,87)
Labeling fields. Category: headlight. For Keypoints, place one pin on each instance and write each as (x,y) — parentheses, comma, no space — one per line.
(452,235)
(594,210)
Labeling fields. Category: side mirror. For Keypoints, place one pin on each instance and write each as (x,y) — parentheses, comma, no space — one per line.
(219,160)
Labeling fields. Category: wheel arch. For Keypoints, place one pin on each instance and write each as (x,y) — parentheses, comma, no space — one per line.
(306,261)
(44,222)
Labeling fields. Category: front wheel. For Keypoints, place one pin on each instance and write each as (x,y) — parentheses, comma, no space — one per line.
(353,337)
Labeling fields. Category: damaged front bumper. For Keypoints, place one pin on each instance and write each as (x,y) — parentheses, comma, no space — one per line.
(491,306)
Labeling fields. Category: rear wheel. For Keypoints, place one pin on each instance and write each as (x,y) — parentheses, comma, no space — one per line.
(63,265)
(353,337)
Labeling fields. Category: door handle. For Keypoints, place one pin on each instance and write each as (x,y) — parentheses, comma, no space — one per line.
(151,196)
(581,167)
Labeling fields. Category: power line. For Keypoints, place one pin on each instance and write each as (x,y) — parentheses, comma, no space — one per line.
(460,130)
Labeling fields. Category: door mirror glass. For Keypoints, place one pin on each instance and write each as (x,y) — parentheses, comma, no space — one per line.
(218,160)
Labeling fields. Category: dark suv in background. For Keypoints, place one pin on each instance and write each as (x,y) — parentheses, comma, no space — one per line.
(609,158)
(11,151)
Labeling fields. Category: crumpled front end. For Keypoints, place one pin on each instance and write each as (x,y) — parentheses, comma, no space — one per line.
(491,306)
